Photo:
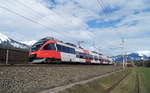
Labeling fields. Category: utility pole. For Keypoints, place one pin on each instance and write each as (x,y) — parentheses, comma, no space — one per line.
(7,56)
(143,60)
(123,53)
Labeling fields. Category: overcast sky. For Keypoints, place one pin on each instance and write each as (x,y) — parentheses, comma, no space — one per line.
(104,22)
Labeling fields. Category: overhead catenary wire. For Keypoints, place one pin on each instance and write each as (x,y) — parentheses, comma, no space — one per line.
(18,1)
(101,4)
(38,15)
(26,18)
(105,10)
(54,12)
(30,19)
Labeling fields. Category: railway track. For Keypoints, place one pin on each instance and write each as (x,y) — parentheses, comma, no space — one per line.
(51,65)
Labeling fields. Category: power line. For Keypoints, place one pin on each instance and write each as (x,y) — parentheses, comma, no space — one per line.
(101,4)
(123,54)
(26,6)
(26,18)
(54,12)
(36,11)
(17,1)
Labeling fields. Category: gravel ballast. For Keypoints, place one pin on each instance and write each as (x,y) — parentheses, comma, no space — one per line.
(32,79)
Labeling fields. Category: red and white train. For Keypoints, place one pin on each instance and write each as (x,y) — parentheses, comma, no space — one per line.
(51,50)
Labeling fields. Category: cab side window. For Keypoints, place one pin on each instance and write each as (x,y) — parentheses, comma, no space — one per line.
(49,46)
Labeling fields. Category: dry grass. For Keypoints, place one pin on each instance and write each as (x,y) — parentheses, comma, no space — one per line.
(97,86)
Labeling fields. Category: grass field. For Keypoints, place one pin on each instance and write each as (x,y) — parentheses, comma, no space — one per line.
(137,81)
(99,85)
(144,76)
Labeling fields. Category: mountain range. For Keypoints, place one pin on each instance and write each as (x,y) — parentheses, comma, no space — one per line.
(140,55)
(6,41)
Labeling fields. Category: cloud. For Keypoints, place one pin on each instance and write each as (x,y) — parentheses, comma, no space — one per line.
(73,20)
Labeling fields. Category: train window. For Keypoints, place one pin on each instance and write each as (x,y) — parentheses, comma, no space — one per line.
(69,50)
(49,46)
(95,57)
(82,55)
(77,54)
(36,47)
(59,47)
(108,60)
(100,59)
(72,50)
(86,56)
(65,49)
(91,57)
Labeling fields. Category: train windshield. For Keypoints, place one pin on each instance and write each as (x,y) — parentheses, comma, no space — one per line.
(37,45)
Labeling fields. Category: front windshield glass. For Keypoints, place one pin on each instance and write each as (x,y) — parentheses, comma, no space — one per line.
(37,45)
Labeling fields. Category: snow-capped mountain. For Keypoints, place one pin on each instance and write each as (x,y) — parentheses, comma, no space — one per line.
(140,55)
(3,38)
(146,53)
(6,41)
(29,43)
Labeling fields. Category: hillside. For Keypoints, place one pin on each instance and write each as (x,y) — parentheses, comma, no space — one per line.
(6,41)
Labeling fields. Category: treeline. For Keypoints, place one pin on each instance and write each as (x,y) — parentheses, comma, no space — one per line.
(144,63)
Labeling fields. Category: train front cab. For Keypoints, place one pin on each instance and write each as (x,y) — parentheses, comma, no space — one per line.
(53,51)
(46,50)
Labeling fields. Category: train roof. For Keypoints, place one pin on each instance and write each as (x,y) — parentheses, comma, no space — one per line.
(47,38)
(71,44)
